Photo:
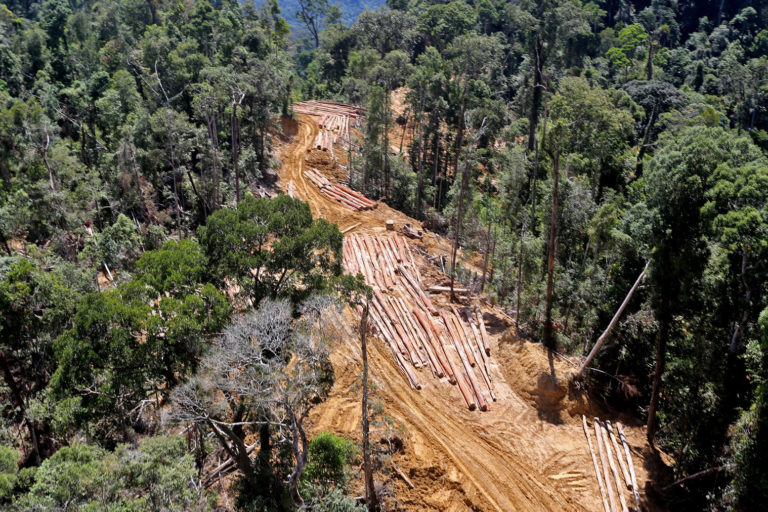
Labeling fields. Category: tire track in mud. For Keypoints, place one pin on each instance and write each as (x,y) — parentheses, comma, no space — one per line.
(471,454)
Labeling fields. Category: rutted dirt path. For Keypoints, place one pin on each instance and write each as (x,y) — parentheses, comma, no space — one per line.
(527,453)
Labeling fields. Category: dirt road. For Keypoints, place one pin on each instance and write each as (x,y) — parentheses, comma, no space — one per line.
(527,453)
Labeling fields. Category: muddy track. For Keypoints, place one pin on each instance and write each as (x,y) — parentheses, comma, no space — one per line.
(510,458)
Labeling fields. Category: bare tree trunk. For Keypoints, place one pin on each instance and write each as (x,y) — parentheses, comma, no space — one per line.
(435,168)
(420,168)
(493,254)
(44,155)
(536,176)
(661,356)
(176,201)
(300,447)
(548,334)
(519,278)
(459,214)
(720,13)
(152,11)
(459,140)
(203,205)
(644,145)
(370,491)
(735,344)
(235,151)
(538,86)
(486,256)
(649,66)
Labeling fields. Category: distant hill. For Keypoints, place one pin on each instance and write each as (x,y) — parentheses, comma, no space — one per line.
(350,9)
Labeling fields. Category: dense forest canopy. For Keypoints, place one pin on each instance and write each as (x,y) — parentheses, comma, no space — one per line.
(135,255)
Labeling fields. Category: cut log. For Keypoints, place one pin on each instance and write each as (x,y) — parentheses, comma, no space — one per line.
(635,490)
(394,322)
(372,255)
(622,464)
(614,471)
(413,331)
(409,290)
(600,484)
(417,288)
(402,329)
(434,344)
(483,332)
(382,265)
(484,371)
(477,338)
(465,337)
(385,328)
(358,195)
(350,228)
(362,261)
(442,289)
(412,379)
(413,262)
(458,344)
(393,249)
(464,387)
(604,460)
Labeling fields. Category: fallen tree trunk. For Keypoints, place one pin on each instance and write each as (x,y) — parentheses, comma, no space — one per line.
(622,464)
(436,350)
(604,462)
(615,319)
(635,490)
(616,477)
(484,333)
(600,484)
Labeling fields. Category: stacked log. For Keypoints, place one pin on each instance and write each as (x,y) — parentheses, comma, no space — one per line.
(447,343)
(328,108)
(344,195)
(332,128)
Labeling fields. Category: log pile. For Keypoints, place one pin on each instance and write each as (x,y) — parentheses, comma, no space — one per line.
(334,122)
(332,128)
(453,345)
(345,195)
(615,486)
(321,108)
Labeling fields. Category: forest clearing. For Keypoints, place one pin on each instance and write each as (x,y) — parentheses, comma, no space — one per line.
(523,448)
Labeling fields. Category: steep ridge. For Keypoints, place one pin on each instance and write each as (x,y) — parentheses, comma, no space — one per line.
(527,453)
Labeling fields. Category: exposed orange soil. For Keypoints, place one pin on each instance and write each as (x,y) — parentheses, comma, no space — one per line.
(527,453)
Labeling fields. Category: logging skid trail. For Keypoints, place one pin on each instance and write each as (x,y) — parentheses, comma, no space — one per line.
(526,452)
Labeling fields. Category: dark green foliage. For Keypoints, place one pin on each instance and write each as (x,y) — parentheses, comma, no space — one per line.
(272,248)
(329,458)
(328,472)
(154,476)
(9,459)
(128,341)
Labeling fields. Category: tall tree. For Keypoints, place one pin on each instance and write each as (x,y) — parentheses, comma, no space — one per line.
(311,14)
